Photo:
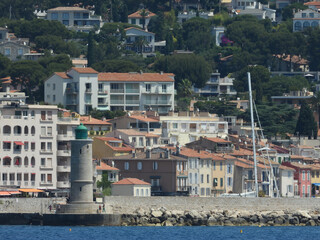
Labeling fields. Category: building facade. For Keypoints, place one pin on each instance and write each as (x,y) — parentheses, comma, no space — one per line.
(83,89)
(305,19)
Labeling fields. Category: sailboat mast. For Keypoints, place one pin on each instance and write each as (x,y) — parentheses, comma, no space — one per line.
(253,136)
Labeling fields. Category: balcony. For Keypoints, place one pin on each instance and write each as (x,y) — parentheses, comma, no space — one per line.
(68,120)
(71,91)
(71,102)
(132,102)
(65,137)
(155,188)
(64,153)
(113,101)
(102,92)
(157,102)
(133,90)
(120,90)
(64,168)
(63,184)
(48,184)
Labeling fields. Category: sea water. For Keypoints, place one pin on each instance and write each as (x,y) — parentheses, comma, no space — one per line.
(157,233)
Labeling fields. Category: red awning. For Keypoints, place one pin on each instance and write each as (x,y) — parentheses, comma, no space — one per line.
(18,143)
(7,157)
(3,193)
(7,141)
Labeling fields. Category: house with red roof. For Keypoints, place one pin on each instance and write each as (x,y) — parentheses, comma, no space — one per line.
(95,126)
(104,147)
(103,168)
(84,89)
(141,18)
(213,144)
(139,40)
(131,187)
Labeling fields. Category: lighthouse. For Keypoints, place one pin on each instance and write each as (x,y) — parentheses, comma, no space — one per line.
(81,176)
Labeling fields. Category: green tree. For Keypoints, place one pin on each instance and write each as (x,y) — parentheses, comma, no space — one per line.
(104,184)
(190,66)
(169,44)
(313,49)
(184,88)
(306,125)
(91,49)
(5,64)
(117,65)
(287,12)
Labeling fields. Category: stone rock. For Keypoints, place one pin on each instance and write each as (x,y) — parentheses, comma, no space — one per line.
(279,221)
(254,219)
(193,214)
(168,214)
(311,223)
(305,214)
(140,212)
(167,223)
(228,223)
(155,220)
(294,220)
(177,213)
(212,221)
(156,213)
(143,220)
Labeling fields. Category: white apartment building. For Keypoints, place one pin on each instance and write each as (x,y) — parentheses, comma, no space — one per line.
(75,18)
(305,19)
(31,146)
(185,127)
(83,89)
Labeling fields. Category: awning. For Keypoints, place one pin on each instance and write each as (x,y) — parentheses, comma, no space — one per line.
(30,190)
(14,192)
(316,184)
(6,157)
(4,193)
(18,143)
(7,141)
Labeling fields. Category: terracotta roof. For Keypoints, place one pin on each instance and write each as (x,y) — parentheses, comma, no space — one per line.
(296,157)
(294,59)
(5,78)
(123,148)
(109,139)
(88,120)
(302,166)
(85,70)
(193,153)
(144,118)
(139,30)
(135,77)
(105,167)
(62,75)
(242,152)
(312,3)
(67,9)
(131,181)
(283,167)
(218,140)
(243,165)
(137,14)
(133,132)
(304,146)
(226,156)
(154,156)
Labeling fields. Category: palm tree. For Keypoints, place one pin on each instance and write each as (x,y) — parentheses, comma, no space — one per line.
(144,13)
(184,88)
(139,43)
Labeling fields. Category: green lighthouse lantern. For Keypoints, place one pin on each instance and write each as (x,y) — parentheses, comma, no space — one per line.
(81,132)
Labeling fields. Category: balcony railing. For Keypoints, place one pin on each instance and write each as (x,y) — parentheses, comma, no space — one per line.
(156,102)
(112,101)
(133,90)
(132,101)
(120,90)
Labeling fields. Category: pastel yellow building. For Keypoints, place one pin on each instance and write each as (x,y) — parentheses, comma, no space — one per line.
(218,175)
(105,147)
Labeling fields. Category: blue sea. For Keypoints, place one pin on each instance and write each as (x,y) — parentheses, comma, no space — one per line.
(157,233)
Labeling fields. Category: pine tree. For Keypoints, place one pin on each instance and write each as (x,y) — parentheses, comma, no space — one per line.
(91,49)
(306,125)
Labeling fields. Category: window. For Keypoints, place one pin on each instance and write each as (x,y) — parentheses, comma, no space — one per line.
(155,182)
(202,191)
(33,146)
(133,21)
(65,22)
(17,161)
(214,166)
(43,178)
(306,25)
(314,24)
(76,15)
(304,15)
(33,130)
(311,15)
(148,87)
(33,177)
(164,88)
(19,176)
(308,176)
(190,178)
(221,182)
(49,117)
(126,166)
(147,192)
(54,98)
(49,131)
(4,176)
(43,131)
(141,141)
(289,173)
(215,182)
(155,165)
(174,125)
(297,26)
(26,177)
(303,190)
(33,161)
(220,166)
(208,179)
(26,130)
(26,161)
(49,146)
(20,51)
(12,176)
(7,129)
(201,178)
(141,192)
(196,178)
(139,165)
(6,145)
(49,178)
(54,16)
(7,161)
(49,162)
(137,192)
(43,146)
(229,181)
(303,175)
(43,162)
(65,15)
(229,169)
(7,51)
(208,163)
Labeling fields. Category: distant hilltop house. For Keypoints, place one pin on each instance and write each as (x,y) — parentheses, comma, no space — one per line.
(185,16)
(313,5)
(217,86)
(255,8)
(139,40)
(83,89)
(305,19)
(141,18)
(75,18)
(16,48)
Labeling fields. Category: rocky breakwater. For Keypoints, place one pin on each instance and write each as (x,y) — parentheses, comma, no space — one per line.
(164,217)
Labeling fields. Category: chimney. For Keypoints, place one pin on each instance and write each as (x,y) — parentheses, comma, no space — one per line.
(177,150)
(167,154)
(161,73)
(148,153)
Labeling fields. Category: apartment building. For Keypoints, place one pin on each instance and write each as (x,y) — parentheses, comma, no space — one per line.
(185,127)
(83,89)
(75,18)
(217,86)
(33,146)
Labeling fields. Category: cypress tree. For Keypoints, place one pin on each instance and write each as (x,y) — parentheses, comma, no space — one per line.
(91,49)
(306,125)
